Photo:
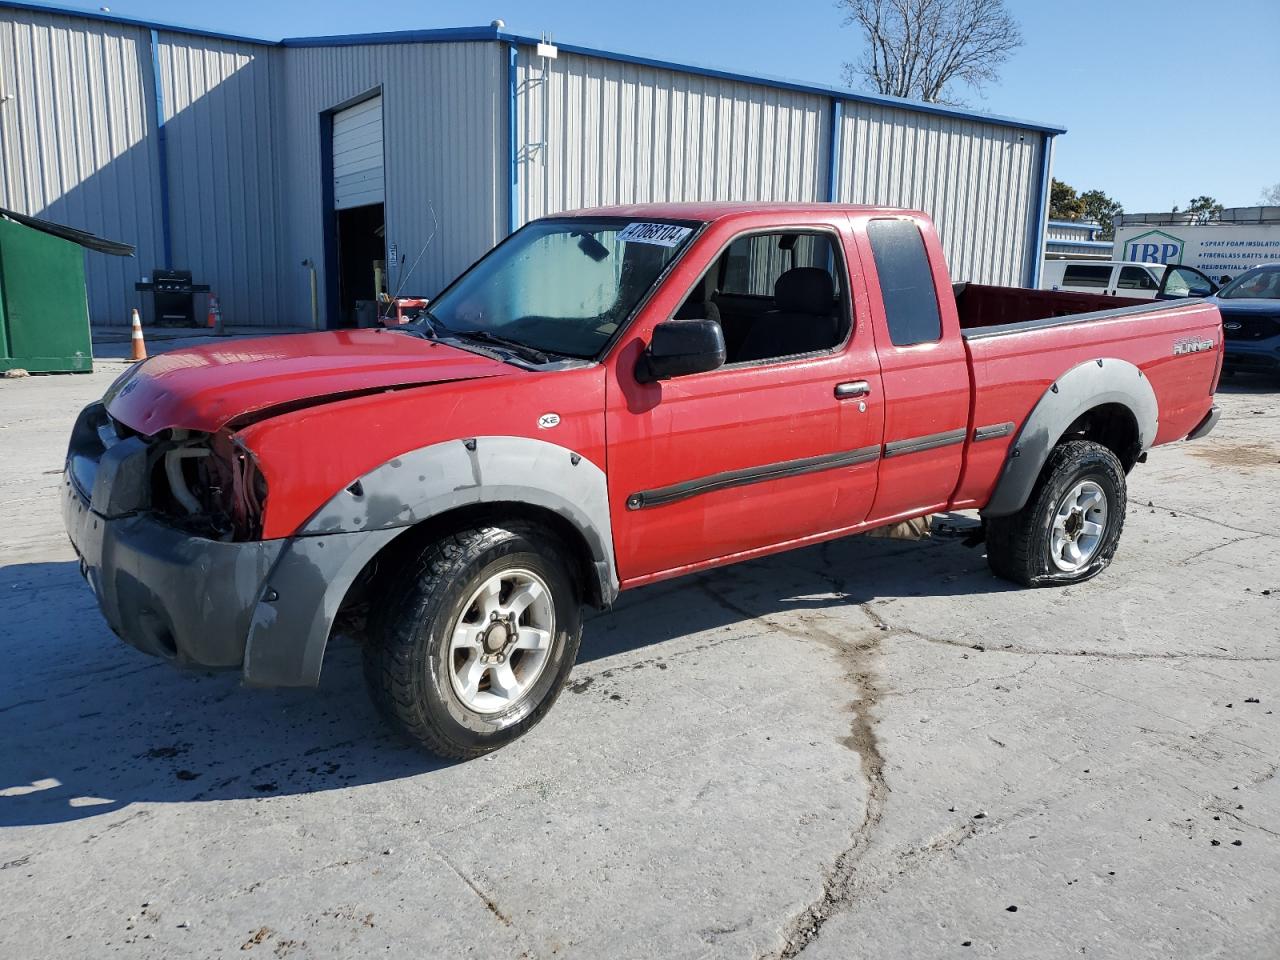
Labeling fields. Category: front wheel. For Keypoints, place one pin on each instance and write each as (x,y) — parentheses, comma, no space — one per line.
(473,642)
(1070,526)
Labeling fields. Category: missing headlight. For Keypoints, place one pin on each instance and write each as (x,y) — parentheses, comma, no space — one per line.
(210,486)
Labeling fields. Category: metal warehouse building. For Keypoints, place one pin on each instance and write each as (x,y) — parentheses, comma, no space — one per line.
(252,163)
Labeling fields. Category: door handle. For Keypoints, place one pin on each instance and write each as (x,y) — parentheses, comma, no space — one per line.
(854,388)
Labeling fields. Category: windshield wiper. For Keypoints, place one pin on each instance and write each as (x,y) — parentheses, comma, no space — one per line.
(523,350)
(425,326)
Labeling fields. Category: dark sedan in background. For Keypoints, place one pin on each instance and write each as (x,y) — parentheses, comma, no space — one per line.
(1250,306)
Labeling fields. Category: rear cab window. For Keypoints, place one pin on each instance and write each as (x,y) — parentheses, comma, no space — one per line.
(906,282)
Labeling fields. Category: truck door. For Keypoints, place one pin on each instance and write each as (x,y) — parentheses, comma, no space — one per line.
(923,366)
(1179,282)
(779,444)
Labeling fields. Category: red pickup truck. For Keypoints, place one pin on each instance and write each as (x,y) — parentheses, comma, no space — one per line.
(607,399)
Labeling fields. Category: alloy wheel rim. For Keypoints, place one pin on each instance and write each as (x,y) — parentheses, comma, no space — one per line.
(1078,527)
(500,644)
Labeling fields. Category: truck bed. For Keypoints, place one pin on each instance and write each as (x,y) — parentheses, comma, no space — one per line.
(1020,341)
(981,305)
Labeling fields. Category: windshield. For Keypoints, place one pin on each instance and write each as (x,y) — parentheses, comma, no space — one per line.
(1260,283)
(561,286)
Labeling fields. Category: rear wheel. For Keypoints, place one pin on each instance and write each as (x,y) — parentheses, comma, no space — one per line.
(473,642)
(1070,526)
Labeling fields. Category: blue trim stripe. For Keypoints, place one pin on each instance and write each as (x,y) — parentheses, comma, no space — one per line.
(162,147)
(481,34)
(443,35)
(833,156)
(152,25)
(1084,244)
(1036,256)
(513,142)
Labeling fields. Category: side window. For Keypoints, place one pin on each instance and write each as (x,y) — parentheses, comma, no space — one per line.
(753,264)
(774,295)
(1087,275)
(906,282)
(1136,278)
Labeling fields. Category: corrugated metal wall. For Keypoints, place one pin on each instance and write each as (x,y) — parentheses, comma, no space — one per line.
(243,127)
(444,109)
(220,120)
(978,181)
(1073,231)
(76,142)
(594,131)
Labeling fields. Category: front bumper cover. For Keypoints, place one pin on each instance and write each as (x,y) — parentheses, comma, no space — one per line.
(165,592)
(266,606)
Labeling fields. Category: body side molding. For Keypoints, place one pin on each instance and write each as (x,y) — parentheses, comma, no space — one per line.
(737,478)
(932,441)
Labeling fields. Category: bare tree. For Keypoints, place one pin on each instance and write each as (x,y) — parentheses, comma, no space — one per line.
(1270,196)
(919,48)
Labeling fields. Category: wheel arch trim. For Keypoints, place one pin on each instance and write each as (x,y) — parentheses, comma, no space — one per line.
(1086,386)
(295,613)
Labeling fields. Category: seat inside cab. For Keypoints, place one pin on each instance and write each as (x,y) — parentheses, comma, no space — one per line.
(774,295)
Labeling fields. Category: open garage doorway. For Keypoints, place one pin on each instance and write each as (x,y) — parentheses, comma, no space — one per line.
(357,250)
(362,255)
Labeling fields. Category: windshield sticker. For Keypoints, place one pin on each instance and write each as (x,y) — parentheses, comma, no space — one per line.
(659,234)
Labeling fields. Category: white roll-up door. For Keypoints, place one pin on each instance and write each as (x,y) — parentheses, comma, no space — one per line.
(357,155)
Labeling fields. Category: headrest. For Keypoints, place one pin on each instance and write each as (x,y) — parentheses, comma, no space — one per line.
(804,290)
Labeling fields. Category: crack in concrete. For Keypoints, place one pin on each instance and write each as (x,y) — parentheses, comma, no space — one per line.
(841,880)
(1218,523)
(1083,653)
(1223,811)
(475,888)
(1208,550)
(963,686)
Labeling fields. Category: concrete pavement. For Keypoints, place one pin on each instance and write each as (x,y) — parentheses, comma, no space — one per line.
(873,748)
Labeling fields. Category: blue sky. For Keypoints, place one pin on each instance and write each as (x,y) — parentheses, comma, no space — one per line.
(1162,100)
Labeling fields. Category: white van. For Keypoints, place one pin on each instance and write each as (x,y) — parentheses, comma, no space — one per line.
(1111,277)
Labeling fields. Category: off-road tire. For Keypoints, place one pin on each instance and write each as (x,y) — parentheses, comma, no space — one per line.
(1018,546)
(407,648)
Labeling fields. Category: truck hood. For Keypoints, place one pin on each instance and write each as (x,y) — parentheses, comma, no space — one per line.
(205,388)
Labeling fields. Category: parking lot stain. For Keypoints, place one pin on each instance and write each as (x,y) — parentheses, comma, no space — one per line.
(1238,454)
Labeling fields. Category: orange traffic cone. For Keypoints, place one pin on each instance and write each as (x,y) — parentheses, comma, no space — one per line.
(139,345)
(215,314)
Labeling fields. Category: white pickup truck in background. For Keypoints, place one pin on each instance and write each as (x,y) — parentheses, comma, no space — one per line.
(1115,278)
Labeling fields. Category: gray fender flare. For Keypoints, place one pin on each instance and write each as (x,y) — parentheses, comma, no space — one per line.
(292,620)
(1083,387)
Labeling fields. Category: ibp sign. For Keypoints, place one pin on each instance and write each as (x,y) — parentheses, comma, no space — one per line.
(1154,246)
(1215,249)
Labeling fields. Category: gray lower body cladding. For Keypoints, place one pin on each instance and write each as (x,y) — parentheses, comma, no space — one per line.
(264,606)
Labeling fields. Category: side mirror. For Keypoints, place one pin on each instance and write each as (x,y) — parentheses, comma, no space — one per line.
(1200,292)
(681,347)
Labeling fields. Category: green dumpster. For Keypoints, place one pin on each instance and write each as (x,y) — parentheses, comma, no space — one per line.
(44,310)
